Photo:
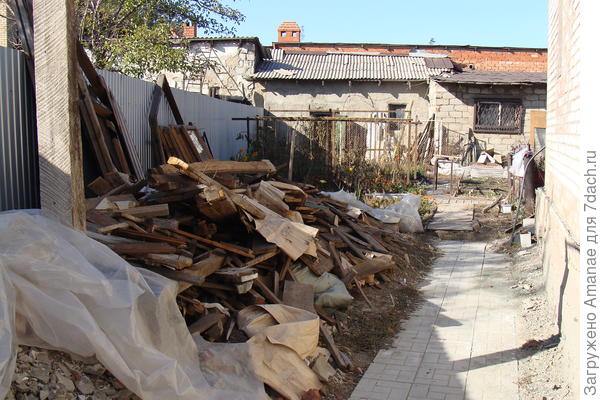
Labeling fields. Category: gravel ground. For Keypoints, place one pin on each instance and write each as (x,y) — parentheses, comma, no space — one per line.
(541,366)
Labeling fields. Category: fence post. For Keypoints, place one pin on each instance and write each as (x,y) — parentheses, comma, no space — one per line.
(59,131)
(291,164)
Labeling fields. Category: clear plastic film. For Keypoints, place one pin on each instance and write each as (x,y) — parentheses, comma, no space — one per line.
(68,292)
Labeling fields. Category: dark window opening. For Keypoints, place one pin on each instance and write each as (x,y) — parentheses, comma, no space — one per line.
(283,34)
(396,111)
(498,116)
(213,91)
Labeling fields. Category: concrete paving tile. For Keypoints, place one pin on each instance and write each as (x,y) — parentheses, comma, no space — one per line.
(461,340)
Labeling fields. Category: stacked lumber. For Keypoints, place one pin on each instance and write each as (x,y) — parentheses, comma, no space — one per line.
(105,130)
(184,142)
(231,244)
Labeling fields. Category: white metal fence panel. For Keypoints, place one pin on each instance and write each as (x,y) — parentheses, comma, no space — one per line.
(210,115)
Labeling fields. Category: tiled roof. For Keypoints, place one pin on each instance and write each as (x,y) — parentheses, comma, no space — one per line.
(493,77)
(343,66)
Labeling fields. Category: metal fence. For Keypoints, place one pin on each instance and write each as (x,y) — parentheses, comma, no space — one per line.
(209,115)
(19,184)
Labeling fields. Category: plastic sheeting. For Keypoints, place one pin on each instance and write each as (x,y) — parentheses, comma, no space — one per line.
(405,213)
(72,293)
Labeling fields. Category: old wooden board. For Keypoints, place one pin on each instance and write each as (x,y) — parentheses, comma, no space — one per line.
(299,295)
(452,217)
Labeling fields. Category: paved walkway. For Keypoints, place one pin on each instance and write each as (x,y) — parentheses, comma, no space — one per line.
(461,343)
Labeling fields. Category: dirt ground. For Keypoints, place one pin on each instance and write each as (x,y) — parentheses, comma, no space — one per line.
(541,363)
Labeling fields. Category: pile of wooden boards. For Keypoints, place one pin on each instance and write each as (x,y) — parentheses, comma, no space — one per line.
(184,142)
(230,233)
(104,127)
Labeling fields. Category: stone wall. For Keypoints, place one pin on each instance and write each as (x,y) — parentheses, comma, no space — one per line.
(340,95)
(233,63)
(453,105)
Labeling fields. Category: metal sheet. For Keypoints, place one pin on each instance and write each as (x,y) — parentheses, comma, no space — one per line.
(210,115)
(19,187)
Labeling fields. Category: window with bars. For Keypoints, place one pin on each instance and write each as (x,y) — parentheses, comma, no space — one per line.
(498,116)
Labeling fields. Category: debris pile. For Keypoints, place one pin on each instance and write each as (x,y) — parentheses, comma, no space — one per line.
(46,374)
(235,235)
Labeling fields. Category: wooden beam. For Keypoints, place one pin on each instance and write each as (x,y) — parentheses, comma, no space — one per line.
(59,132)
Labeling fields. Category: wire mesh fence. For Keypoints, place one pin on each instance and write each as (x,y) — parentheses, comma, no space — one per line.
(351,152)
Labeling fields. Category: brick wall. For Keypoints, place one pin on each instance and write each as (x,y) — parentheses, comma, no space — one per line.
(557,211)
(453,106)
(482,58)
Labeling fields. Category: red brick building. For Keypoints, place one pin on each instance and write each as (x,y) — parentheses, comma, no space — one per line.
(512,59)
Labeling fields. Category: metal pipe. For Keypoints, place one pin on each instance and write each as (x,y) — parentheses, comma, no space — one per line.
(522,189)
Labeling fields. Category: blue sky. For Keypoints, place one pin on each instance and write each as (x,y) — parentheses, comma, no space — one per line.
(516,23)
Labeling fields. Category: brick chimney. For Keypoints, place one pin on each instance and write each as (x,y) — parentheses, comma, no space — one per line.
(289,32)
(189,30)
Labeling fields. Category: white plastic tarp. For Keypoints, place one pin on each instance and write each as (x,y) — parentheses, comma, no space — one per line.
(405,212)
(68,292)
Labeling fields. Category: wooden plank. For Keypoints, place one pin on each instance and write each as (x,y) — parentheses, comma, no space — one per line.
(141,248)
(206,322)
(176,261)
(370,239)
(164,84)
(260,259)
(233,167)
(201,144)
(123,133)
(94,129)
(225,246)
(154,237)
(157,210)
(110,228)
(269,295)
(349,242)
(299,295)
(58,126)
(333,349)
(100,186)
(156,142)
(191,146)
(272,198)
(100,218)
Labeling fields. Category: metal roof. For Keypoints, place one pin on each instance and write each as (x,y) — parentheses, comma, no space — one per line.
(494,77)
(343,66)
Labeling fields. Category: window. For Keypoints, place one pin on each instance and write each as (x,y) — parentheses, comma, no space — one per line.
(498,116)
(283,34)
(294,34)
(396,111)
(213,91)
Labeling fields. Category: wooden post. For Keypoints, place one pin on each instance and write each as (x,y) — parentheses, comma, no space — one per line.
(291,163)
(59,132)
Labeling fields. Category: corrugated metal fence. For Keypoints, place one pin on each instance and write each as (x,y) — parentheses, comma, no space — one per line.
(19,187)
(209,115)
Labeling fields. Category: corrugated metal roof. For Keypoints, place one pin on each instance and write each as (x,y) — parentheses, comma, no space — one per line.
(493,77)
(343,66)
